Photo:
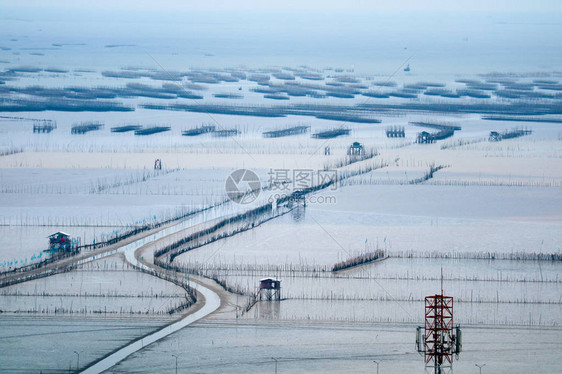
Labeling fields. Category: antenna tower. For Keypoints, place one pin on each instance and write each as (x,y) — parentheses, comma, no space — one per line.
(438,340)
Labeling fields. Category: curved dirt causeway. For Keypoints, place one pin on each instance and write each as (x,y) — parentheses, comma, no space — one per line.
(208,302)
(212,302)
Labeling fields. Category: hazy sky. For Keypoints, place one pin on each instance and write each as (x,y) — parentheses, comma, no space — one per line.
(459,35)
(270,5)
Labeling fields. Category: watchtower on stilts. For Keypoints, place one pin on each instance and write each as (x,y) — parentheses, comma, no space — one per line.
(270,289)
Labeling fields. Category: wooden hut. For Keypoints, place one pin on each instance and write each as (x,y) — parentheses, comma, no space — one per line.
(270,289)
(356,149)
(424,137)
(60,242)
(495,136)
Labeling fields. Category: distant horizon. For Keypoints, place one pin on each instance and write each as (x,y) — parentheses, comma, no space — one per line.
(294,5)
(440,43)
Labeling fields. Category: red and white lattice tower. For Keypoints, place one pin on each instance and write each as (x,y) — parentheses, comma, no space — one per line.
(439,340)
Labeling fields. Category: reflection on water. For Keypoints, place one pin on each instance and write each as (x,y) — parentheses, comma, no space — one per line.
(267,310)
(298,213)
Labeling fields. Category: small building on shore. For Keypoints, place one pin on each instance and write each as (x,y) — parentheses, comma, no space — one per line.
(60,242)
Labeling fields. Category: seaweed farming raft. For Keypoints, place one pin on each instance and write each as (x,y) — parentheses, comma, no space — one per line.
(85,127)
(446,130)
(395,132)
(438,126)
(509,134)
(204,129)
(152,130)
(425,137)
(331,133)
(226,132)
(296,130)
(44,126)
(125,128)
